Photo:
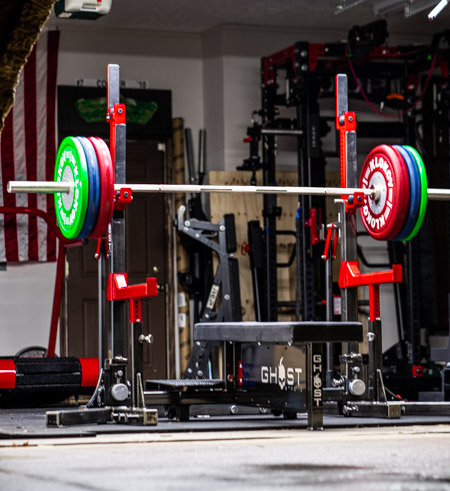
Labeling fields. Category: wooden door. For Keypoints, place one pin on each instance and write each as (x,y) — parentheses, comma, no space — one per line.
(147,248)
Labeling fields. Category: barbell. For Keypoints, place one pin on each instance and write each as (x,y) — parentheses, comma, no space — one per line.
(393,184)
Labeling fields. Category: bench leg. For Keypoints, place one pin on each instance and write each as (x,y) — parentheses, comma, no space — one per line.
(314,386)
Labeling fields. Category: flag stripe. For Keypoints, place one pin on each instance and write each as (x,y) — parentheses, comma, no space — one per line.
(31,147)
(27,152)
(8,174)
(52,69)
(20,168)
(41,118)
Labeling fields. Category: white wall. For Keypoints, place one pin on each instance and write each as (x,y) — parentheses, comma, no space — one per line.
(26,295)
(213,99)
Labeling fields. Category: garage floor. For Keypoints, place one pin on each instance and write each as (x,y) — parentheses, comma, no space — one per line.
(269,455)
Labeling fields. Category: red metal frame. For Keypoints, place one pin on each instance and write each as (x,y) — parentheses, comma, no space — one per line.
(315,50)
(350,276)
(118,289)
(358,201)
(116,115)
(277,59)
(124,199)
(349,124)
(326,251)
(240,373)
(311,222)
(56,307)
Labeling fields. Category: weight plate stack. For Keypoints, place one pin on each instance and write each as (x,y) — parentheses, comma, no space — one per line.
(423,190)
(106,170)
(94,187)
(384,216)
(71,208)
(414,196)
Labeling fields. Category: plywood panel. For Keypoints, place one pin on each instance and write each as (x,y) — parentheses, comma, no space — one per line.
(249,207)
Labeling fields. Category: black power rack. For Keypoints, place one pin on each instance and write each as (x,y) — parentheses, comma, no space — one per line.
(392,80)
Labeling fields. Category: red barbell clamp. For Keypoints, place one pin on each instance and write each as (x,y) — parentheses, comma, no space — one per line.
(358,200)
(123,199)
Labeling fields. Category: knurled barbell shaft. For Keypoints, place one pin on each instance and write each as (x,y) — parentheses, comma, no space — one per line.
(50,187)
(65,187)
(207,188)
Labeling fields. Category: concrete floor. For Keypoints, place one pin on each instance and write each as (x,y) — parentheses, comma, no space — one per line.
(406,458)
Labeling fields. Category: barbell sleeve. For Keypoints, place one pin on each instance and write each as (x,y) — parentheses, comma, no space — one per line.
(44,187)
(439,194)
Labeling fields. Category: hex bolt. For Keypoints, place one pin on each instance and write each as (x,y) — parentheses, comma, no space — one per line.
(226,297)
(145,339)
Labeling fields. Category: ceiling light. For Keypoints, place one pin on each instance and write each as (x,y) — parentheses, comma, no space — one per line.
(438,9)
(414,7)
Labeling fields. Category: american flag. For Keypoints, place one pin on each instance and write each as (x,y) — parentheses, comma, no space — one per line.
(28,152)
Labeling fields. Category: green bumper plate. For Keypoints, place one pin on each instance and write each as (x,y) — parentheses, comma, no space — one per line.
(423,191)
(71,208)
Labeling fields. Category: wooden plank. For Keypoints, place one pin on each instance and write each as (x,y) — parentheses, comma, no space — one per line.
(181,253)
(249,207)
